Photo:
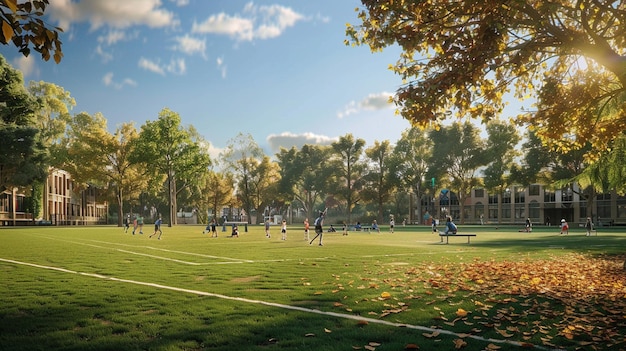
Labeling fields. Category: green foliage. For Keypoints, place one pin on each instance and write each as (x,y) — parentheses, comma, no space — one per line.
(168,153)
(464,56)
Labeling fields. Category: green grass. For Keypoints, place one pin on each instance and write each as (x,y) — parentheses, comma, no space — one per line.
(97,288)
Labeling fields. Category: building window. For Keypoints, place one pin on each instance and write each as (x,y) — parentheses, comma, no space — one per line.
(506,197)
(549,196)
(479,193)
(604,206)
(493,212)
(520,195)
(567,195)
(479,210)
(533,190)
(493,198)
(533,210)
(520,211)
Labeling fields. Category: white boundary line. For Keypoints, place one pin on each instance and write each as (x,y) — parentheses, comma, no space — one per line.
(277,305)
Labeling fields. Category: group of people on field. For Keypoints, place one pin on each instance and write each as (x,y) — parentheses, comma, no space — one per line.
(137,222)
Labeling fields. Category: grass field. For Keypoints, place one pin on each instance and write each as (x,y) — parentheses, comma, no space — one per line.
(98,288)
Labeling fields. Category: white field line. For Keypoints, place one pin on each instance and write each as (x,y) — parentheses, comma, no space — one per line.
(277,305)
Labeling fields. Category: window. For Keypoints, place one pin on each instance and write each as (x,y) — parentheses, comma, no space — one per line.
(520,195)
(520,211)
(493,199)
(479,192)
(549,196)
(533,210)
(506,197)
(533,190)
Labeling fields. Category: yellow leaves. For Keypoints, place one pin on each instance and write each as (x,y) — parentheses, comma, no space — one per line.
(461,313)
(459,343)
(385,295)
(7,31)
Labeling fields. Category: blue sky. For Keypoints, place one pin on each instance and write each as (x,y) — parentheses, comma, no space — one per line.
(278,70)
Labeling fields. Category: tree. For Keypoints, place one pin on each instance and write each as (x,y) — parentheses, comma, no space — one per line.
(23,157)
(457,155)
(22,25)
(347,151)
(53,113)
(301,175)
(412,155)
(168,153)
(464,55)
(241,156)
(379,180)
(500,153)
(94,156)
(218,190)
(262,186)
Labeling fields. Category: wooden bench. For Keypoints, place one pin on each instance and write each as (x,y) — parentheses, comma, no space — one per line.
(442,235)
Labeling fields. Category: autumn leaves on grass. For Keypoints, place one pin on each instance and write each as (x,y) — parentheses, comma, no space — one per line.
(572,300)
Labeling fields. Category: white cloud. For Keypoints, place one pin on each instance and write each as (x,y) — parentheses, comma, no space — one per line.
(108,81)
(175,66)
(28,65)
(180,3)
(256,22)
(111,13)
(151,66)
(221,66)
(379,101)
(190,45)
(288,140)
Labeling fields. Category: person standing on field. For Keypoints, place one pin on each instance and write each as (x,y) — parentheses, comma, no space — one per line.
(267,228)
(306,229)
(283,230)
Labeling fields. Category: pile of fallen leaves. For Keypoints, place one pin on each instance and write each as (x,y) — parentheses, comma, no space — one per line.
(574,300)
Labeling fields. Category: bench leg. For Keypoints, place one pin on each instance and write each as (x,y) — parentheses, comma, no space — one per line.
(468,240)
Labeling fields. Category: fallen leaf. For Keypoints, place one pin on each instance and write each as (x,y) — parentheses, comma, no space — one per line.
(328,330)
(459,343)
(461,312)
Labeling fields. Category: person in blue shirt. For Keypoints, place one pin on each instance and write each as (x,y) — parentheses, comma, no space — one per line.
(450,226)
(157,228)
(319,231)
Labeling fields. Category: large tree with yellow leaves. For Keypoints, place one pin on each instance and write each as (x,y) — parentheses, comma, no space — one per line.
(21,23)
(465,55)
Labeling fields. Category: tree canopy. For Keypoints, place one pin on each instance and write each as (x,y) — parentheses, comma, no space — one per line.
(22,25)
(465,55)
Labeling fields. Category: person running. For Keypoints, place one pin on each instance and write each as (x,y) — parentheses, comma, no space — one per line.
(564,227)
(134,224)
(214,228)
(267,228)
(319,231)
(283,230)
(126,224)
(140,222)
(157,228)
(306,229)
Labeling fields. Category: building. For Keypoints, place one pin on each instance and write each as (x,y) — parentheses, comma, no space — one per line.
(62,204)
(541,205)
